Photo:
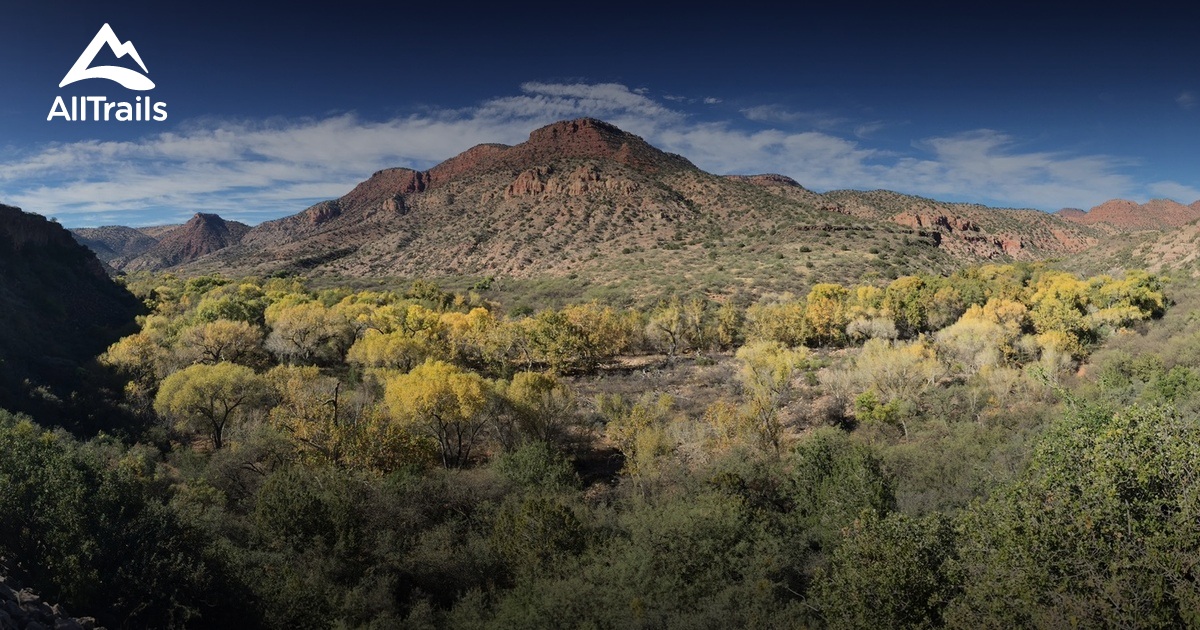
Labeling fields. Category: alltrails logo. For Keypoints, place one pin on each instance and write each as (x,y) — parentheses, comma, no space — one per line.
(100,108)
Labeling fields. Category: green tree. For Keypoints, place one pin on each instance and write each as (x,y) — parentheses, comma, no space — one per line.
(889,572)
(1101,530)
(539,406)
(905,301)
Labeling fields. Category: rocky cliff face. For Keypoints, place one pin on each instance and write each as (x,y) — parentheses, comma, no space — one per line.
(970,231)
(59,310)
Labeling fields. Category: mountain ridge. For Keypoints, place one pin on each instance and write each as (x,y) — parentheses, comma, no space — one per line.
(585,197)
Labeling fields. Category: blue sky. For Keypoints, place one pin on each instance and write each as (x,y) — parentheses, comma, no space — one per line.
(272,108)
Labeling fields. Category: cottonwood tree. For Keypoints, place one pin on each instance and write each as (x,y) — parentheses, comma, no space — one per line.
(539,408)
(452,406)
(826,313)
(307,332)
(209,397)
(221,340)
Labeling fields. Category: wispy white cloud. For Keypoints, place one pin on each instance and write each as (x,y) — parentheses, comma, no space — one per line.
(253,170)
(986,164)
(778,114)
(1174,190)
(1186,100)
(865,130)
(711,100)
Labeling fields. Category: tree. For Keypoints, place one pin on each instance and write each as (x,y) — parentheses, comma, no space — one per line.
(540,407)
(396,350)
(730,321)
(307,408)
(766,375)
(557,342)
(607,331)
(905,301)
(782,321)
(895,375)
(307,332)
(1102,529)
(890,573)
(220,340)
(666,328)
(451,405)
(826,313)
(639,430)
(208,397)
(972,344)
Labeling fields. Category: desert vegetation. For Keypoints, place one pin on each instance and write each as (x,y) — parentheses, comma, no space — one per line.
(1008,445)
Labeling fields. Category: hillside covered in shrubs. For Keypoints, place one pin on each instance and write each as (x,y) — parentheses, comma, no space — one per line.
(1009,445)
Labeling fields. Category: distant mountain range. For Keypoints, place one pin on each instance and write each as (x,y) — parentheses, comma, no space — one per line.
(159,247)
(582,198)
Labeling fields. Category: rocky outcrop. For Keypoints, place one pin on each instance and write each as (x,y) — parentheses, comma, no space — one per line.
(581,181)
(1124,215)
(22,609)
(970,231)
(936,221)
(322,212)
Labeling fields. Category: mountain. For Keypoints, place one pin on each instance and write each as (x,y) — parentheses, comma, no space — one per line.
(1124,216)
(965,231)
(114,241)
(203,234)
(163,246)
(971,231)
(580,199)
(60,309)
(599,208)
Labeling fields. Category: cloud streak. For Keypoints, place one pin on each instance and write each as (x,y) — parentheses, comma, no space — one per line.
(255,170)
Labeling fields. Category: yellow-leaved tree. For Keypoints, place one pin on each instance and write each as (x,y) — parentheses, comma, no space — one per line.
(209,397)
(220,340)
(767,368)
(449,404)
(827,313)
(540,408)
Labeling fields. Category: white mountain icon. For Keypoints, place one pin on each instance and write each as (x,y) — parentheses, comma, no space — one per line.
(131,79)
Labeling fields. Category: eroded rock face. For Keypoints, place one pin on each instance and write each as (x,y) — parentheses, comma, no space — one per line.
(587,178)
(947,223)
(394,205)
(767,180)
(971,231)
(1122,214)
(323,212)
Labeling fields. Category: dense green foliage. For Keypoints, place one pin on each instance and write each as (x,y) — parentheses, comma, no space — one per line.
(927,452)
